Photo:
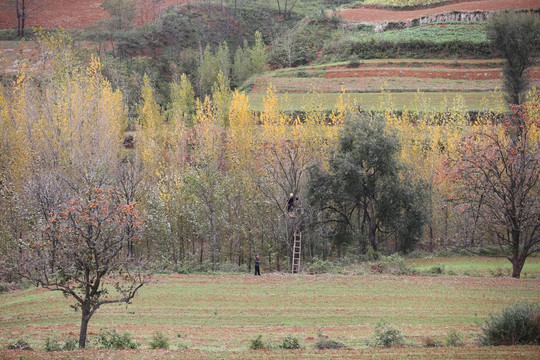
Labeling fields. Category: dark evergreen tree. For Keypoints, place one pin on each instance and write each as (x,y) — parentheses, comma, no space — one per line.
(368,190)
(516,38)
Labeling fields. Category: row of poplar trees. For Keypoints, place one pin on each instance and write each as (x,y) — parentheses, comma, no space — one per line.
(210,178)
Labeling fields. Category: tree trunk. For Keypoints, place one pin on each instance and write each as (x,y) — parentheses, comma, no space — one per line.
(372,231)
(201,252)
(22,25)
(517,264)
(18,21)
(214,245)
(85,318)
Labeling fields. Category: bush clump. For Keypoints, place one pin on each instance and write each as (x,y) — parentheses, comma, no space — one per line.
(518,324)
(290,342)
(258,343)
(19,344)
(159,341)
(319,266)
(324,342)
(393,264)
(52,344)
(112,340)
(454,338)
(71,344)
(387,336)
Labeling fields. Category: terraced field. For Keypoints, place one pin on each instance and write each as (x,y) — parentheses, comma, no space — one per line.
(475,80)
(369,14)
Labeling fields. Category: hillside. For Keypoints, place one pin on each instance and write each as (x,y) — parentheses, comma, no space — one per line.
(78,14)
(81,13)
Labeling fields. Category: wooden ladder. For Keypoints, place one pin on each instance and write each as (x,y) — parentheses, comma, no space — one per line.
(297,246)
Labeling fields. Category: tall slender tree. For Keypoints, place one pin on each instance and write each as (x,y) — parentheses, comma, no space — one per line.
(516,38)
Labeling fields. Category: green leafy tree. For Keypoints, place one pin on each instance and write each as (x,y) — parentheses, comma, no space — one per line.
(240,67)
(257,55)
(208,71)
(221,96)
(367,190)
(183,100)
(122,13)
(249,60)
(119,28)
(223,57)
(516,38)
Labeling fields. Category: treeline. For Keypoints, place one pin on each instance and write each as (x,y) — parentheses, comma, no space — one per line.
(211,178)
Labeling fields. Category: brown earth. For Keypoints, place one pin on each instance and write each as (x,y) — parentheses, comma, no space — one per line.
(478,74)
(366,14)
(77,14)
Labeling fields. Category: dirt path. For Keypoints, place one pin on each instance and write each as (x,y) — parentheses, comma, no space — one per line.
(380,15)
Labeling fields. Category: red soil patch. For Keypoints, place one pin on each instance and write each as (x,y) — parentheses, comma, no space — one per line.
(77,14)
(478,74)
(366,14)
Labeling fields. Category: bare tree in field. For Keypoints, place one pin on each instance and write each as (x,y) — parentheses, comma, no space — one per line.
(498,175)
(86,260)
(24,9)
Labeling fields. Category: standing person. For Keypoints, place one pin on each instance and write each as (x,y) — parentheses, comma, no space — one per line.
(257,265)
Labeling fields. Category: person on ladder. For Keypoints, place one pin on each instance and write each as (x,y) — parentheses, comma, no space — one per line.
(290,204)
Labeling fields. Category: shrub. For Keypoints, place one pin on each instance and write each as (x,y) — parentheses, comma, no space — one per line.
(436,270)
(52,344)
(392,264)
(387,336)
(19,344)
(324,342)
(354,64)
(365,27)
(454,338)
(8,35)
(159,341)
(290,342)
(500,271)
(111,339)
(258,343)
(372,254)
(319,266)
(71,344)
(302,74)
(518,324)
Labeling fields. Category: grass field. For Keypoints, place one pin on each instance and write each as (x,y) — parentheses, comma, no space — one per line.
(216,316)
(372,101)
(474,266)
(437,33)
